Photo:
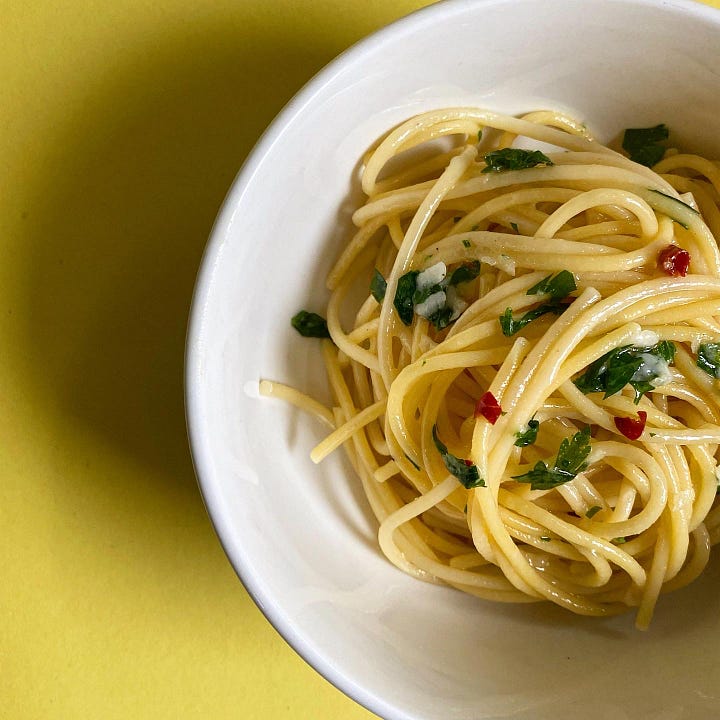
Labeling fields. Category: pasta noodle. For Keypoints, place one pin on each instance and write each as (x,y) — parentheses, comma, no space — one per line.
(529,392)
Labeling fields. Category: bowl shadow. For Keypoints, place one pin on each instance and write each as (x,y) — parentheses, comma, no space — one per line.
(111,252)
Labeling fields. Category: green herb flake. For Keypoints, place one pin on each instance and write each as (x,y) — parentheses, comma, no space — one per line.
(619,541)
(528,436)
(666,350)
(479,136)
(708,359)
(573,452)
(514,159)
(474,228)
(408,295)
(465,273)
(310,324)
(643,144)
(594,510)
(511,325)
(378,286)
(557,286)
(571,459)
(466,243)
(441,318)
(420,296)
(616,369)
(467,474)
(514,226)
(406,287)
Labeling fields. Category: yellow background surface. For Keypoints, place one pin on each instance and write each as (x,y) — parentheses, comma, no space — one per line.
(122,124)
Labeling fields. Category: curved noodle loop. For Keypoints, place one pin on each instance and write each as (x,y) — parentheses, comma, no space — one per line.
(529,394)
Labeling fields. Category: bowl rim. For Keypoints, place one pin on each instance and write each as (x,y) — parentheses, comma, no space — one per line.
(193,350)
(203,286)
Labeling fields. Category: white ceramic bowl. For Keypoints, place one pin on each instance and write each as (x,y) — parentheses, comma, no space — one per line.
(301,537)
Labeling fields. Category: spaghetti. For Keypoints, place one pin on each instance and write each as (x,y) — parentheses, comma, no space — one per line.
(528,392)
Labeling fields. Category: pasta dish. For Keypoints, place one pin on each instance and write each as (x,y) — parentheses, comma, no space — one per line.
(523,346)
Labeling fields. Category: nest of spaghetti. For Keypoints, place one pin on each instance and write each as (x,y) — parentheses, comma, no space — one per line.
(528,388)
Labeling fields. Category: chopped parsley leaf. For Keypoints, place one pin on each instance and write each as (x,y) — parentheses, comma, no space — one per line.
(510,325)
(408,296)
(310,324)
(514,159)
(617,368)
(571,459)
(558,286)
(465,273)
(378,286)
(467,474)
(407,284)
(574,451)
(594,510)
(420,296)
(514,226)
(466,243)
(643,144)
(441,318)
(708,359)
(664,349)
(528,436)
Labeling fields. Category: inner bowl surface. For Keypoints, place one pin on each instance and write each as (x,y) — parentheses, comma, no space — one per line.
(301,537)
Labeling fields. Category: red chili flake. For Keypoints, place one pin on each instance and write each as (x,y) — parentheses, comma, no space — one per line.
(468,463)
(631,428)
(673,260)
(488,407)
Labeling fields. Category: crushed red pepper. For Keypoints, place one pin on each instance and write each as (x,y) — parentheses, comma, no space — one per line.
(488,407)
(632,428)
(674,261)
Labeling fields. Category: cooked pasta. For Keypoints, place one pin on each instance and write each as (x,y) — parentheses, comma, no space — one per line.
(528,392)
